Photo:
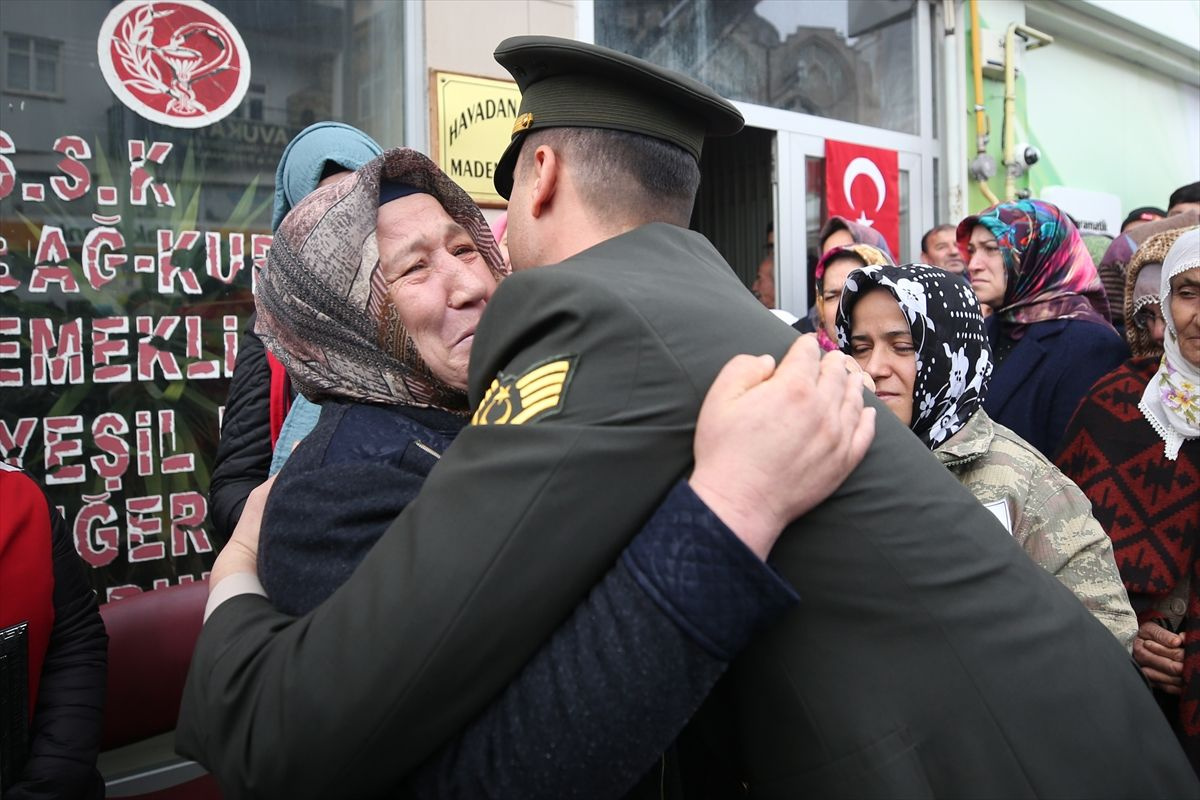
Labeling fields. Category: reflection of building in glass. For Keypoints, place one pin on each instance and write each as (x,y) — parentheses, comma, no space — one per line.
(814,72)
(376,69)
(311,61)
(725,45)
(33,65)
(780,55)
(127,247)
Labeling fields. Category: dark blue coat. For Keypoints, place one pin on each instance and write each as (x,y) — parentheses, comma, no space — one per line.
(1038,386)
(347,480)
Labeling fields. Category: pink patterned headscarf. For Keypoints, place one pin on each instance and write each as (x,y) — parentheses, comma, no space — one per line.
(868,255)
(1049,270)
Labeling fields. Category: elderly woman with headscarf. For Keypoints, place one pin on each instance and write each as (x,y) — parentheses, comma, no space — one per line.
(1146,328)
(370,297)
(1050,335)
(842,232)
(838,233)
(1113,265)
(918,332)
(382,344)
(260,394)
(830,274)
(1132,448)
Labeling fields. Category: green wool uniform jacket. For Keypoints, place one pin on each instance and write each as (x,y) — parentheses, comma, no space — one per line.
(929,656)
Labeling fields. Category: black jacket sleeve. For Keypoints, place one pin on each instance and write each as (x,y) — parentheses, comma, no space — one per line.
(618,681)
(244,452)
(68,721)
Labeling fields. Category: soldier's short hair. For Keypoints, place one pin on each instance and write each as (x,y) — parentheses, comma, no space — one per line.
(622,176)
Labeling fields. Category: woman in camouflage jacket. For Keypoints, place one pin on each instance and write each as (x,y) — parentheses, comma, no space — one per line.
(918,332)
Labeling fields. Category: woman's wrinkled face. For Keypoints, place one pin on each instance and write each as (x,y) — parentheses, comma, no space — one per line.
(437,280)
(1149,317)
(881,341)
(836,272)
(1185,312)
(985,267)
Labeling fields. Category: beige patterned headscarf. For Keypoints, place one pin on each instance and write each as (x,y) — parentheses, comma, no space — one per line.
(322,307)
(1152,251)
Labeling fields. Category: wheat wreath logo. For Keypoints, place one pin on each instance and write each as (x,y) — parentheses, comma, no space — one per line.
(176,62)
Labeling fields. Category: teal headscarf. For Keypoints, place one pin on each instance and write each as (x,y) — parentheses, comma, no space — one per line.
(304,159)
(1050,274)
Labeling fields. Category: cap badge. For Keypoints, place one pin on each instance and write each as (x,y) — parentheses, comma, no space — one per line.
(523,123)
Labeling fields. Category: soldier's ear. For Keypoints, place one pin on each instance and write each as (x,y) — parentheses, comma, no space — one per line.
(545,179)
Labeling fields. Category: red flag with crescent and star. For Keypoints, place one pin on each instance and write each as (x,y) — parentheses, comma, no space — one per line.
(862,184)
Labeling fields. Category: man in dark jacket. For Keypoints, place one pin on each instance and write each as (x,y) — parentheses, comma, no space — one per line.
(929,656)
(55,653)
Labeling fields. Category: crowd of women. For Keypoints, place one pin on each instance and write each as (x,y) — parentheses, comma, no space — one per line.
(1079,437)
(1079,433)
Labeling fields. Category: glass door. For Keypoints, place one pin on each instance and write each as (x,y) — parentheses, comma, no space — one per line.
(801,209)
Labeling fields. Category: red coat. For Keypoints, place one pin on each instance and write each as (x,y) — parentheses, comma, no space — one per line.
(43,585)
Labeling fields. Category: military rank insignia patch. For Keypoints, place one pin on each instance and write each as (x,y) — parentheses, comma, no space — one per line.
(538,392)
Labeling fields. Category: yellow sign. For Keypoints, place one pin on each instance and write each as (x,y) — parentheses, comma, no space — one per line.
(473,122)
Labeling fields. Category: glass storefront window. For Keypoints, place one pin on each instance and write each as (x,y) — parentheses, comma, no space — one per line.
(852,60)
(127,243)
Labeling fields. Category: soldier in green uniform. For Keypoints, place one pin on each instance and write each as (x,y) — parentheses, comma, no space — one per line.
(928,656)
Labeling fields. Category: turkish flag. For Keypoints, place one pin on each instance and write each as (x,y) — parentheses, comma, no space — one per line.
(862,184)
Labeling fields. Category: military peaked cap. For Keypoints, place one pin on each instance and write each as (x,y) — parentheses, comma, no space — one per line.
(570,84)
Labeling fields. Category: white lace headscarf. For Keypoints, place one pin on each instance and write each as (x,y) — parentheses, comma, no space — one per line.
(1171,402)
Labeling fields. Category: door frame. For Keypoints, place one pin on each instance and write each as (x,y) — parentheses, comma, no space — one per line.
(792,147)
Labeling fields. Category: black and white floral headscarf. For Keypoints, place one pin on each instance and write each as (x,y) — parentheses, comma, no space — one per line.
(954,360)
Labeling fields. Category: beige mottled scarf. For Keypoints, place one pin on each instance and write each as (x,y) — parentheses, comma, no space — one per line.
(322,307)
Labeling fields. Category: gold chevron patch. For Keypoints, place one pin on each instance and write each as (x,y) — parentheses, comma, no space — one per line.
(538,392)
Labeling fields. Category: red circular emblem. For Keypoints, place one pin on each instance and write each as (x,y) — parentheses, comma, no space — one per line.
(175,62)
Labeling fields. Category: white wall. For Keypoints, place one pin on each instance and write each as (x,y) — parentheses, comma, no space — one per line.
(1106,124)
(460,35)
(1175,20)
